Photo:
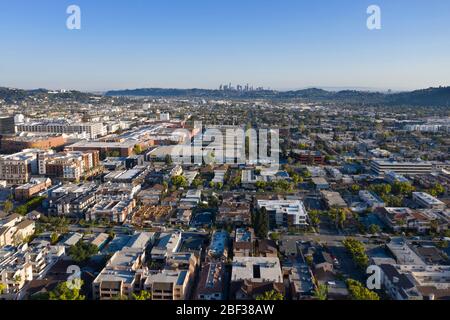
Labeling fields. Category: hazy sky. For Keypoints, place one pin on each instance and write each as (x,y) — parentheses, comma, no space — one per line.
(282,44)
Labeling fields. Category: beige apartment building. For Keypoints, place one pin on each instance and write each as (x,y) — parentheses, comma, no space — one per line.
(17,168)
(168,285)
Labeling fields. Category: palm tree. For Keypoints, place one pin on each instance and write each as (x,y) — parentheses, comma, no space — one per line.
(17,280)
(2,288)
(270,296)
(321,292)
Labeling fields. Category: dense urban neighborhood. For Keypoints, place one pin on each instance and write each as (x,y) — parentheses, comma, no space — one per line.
(111,197)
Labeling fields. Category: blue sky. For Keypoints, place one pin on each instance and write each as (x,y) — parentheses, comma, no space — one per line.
(282,44)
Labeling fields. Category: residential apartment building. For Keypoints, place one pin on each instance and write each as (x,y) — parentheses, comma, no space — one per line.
(14,229)
(69,165)
(211,282)
(284,213)
(90,130)
(406,219)
(243,245)
(252,276)
(167,244)
(125,272)
(371,199)
(308,157)
(15,270)
(168,285)
(416,282)
(218,248)
(114,210)
(18,168)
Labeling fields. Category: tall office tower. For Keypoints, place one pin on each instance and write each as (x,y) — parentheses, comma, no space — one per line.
(7,125)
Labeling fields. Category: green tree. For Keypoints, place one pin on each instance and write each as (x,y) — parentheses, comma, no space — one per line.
(168,160)
(357,250)
(29,206)
(82,251)
(261,185)
(442,245)
(402,188)
(2,288)
(342,217)
(113,154)
(63,292)
(179,181)
(355,188)
(297,178)
(437,190)
(381,189)
(393,201)
(314,217)
(143,295)
(8,206)
(198,182)
(260,223)
(321,292)
(22,210)
(137,149)
(54,238)
(270,296)
(275,236)
(374,228)
(359,292)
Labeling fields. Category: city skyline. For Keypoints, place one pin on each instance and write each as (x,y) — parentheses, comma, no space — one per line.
(284,46)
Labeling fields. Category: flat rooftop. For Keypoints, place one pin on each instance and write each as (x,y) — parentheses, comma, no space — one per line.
(105,145)
(257,269)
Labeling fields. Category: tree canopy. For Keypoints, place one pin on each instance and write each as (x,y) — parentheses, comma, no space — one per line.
(358,252)
(63,292)
(143,295)
(270,296)
(359,292)
(82,251)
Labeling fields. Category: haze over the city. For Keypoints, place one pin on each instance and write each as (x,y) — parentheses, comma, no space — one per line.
(283,45)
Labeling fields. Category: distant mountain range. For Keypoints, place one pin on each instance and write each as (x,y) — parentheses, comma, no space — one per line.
(11,95)
(426,97)
(439,97)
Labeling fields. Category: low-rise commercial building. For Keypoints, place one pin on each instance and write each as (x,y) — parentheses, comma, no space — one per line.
(427,201)
(17,143)
(35,186)
(91,130)
(381,167)
(371,199)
